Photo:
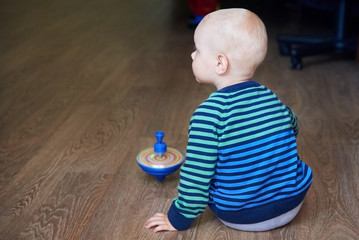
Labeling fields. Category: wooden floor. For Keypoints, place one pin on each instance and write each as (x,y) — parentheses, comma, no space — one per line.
(85,84)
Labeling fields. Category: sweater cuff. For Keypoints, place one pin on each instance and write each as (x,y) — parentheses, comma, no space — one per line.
(177,220)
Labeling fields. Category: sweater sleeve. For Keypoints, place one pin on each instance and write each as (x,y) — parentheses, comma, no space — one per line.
(294,122)
(198,170)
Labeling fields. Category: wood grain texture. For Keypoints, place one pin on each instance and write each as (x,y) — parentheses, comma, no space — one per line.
(85,84)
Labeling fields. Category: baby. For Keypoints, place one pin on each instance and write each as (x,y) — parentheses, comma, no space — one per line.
(241,158)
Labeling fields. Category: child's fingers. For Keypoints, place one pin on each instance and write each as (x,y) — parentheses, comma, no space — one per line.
(154,222)
(159,222)
(157,219)
(160,228)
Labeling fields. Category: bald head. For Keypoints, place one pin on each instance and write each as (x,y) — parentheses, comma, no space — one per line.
(240,35)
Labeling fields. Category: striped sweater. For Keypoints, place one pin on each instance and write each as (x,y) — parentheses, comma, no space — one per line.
(241,159)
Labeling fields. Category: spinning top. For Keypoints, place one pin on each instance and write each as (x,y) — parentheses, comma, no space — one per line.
(160,160)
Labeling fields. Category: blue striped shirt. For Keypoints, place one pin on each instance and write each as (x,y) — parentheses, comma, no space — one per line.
(241,159)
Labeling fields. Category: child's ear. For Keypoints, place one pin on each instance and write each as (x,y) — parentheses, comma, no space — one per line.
(222,64)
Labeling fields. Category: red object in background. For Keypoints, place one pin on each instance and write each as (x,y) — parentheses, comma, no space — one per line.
(202,7)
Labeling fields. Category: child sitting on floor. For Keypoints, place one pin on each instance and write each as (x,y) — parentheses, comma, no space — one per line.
(241,157)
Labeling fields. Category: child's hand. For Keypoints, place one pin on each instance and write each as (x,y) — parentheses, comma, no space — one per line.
(159,222)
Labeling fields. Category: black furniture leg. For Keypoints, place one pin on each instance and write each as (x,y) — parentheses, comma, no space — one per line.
(298,47)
